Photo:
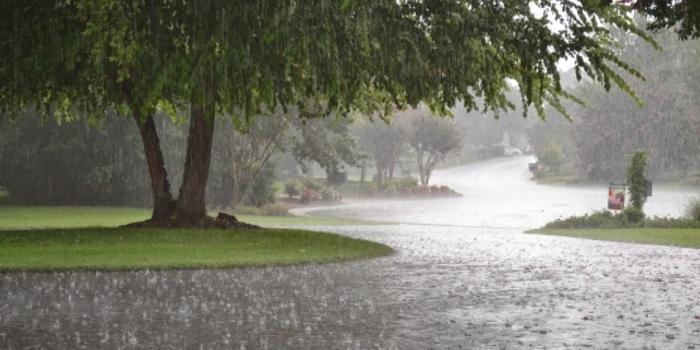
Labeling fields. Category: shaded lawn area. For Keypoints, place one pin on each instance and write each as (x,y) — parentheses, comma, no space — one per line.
(16,217)
(126,249)
(681,237)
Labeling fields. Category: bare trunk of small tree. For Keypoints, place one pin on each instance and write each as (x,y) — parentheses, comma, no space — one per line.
(363,170)
(237,178)
(425,180)
(163,208)
(426,166)
(421,168)
(380,176)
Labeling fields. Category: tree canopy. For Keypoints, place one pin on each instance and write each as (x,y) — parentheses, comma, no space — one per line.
(682,15)
(264,53)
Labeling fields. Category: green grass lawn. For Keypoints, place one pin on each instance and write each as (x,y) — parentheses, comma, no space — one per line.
(127,249)
(551,179)
(87,238)
(66,217)
(73,217)
(661,236)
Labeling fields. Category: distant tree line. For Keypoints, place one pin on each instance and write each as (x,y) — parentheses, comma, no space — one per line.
(75,163)
(46,162)
(611,126)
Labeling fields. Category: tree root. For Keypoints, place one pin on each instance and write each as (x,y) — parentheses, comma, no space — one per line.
(222,221)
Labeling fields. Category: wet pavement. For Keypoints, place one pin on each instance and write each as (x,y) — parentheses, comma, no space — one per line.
(464,277)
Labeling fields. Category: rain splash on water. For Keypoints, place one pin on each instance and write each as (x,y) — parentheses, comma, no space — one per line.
(464,276)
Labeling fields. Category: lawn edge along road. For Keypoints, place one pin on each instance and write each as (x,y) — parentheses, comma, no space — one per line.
(122,249)
(676,237)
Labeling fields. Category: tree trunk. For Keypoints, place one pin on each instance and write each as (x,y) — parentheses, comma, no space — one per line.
(424,176)
(163,208)
(363,170)
(380,177)
(237,177)
(191,209)
(421,168)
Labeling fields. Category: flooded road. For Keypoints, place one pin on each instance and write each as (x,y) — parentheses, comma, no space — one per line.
(464,277)
(499,193)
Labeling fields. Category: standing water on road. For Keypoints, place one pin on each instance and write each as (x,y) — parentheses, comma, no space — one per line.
(464,276)
(499,193)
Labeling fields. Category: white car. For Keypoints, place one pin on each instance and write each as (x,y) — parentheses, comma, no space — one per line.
(512,151)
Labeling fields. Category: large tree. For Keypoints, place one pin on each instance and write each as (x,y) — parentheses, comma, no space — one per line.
(245,56)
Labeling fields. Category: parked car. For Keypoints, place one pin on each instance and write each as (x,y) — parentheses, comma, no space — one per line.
(512,151)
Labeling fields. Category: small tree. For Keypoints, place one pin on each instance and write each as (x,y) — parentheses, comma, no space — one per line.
(326,141)
(384,143)
(635,179)
(252,150)
(431,138)
(262,189)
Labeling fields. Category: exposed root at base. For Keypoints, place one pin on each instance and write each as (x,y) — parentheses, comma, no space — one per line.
(222,221)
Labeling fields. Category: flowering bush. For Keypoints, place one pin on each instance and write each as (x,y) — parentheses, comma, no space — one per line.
(309,195)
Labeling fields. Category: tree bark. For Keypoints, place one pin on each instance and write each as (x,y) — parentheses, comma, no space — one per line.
(236,177)
(380,177)
(191,209)
(421,168)
(363,170)
(163,208)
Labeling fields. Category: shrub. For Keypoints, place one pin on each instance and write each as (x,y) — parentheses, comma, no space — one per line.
(635,179)
(392,189)
(274,210)
(312,184)
(265,210)
(309,195)
(262,190)
(630,217)
(399,187)
(597,219)
(369,189)
(328,194)
(633,214)
(291,188)
(4,196)
(669,222)
(692,210)
(552,156)
(407,181)
(356,188)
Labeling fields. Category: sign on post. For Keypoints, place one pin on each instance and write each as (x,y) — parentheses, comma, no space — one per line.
(616,197)
(648,188)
